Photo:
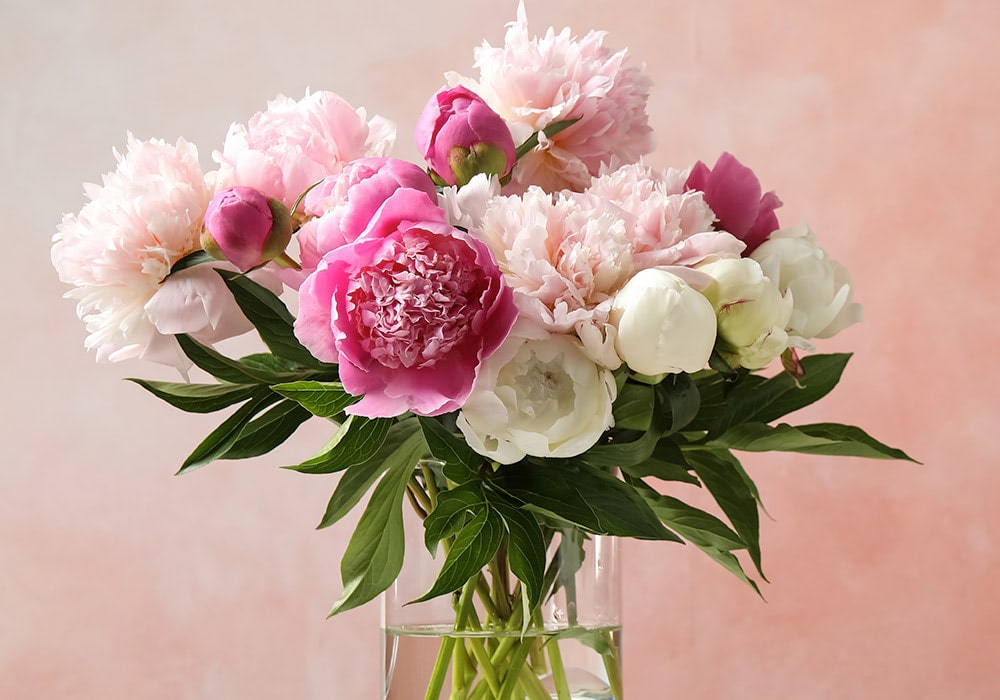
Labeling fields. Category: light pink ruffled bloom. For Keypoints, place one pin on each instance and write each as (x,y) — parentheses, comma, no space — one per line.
(145,216)
(346,203)
(534,81)
(296,143)
(672,226)
(409,310)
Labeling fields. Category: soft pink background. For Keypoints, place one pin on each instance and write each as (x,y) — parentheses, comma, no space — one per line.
(877,122)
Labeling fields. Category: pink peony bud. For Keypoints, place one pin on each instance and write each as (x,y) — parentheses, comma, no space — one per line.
(460,137)
(245,227)
(734,194)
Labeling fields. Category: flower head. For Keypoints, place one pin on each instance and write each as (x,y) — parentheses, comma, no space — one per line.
(534,82)
(245,227)
(294,144)
(409,310)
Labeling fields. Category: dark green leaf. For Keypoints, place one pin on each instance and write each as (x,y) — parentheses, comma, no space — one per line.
(356,481)
(356,441)
(525,548)
(633,409)
(266,432)
(226,369)
(451,512)
(473,548)
(270,317)
(270,363)
(585,496)
(666,463)
(550,131)
(190,260)
(680,394)
(817,438)
(460,461)
(199,398)
(223,437)
(374,556)
(763,402)
(731,492)
(322,399)
(696,526)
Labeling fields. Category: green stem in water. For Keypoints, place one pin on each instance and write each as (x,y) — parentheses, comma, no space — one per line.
(440,669)
(459,667)
(613,666)
(558,670)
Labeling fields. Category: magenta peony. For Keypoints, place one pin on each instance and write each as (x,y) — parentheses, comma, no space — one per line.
(734,194)
(409,310)
(294,144)
(346,203)
(460,137)
(245,227)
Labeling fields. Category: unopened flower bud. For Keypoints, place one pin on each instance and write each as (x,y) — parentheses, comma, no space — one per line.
(245,227)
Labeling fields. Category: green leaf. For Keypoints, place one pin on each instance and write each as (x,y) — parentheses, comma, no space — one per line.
(666,463)
(374,556)
(585,496)
(451,512)
(763,402)
(357,440)
(460,460)
(270,363)
(473,548)
(550,131)
(198,398)
(596,639)
(356,481)
(270,317)
(266,432)
(732,493)
(680,394)
(817,438)
(322,399)
(696,526)
(525,548)
(224,368)
(190,260)
(633,409)
(223,437)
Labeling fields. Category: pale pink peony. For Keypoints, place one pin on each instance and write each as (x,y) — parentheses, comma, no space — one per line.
(672,227)
(533,82)
(410,310)
(346,203)
(294,144)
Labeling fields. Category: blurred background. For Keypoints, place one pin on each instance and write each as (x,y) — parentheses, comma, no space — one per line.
(877,123)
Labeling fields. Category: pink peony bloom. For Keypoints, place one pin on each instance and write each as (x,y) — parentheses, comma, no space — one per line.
(245,227)
(533,82)
(734,193)
(672,227)
(294,144)
(409,310)
(461,137)
(346,203)
(117,251)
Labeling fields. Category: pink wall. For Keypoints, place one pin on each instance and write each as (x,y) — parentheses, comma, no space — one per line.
(876,122)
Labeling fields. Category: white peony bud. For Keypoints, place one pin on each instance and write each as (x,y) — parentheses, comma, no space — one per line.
(540,397)
(751,312)
(664,326)
(820,286)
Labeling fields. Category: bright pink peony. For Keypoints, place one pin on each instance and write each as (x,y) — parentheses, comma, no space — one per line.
(409,310)
(245,227)
(734,193)
(460,137)
(533,82)
(346,203)
(294,144)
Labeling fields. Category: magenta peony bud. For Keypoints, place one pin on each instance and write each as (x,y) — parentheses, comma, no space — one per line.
(245,227)
(734,194)
(460,136)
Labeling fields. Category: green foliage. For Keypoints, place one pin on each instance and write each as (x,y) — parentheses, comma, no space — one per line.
(199,398)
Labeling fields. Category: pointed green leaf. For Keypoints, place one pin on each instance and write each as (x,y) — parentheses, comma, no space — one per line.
(223,437)
(680,394)
(190,260)
(270,317)
(666,463)
(473,548)
(356,481)
(374,556)
(525,548)
(450,514)
(322,399)
(227,369)
(633,408)
(817,438)
(460,461)
(263,434)
(357,440)
(198,398)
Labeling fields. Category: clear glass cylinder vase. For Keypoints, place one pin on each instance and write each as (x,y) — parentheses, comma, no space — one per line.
(484,642)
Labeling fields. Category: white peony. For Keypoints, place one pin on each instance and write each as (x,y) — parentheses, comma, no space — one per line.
(542,397)
(751,312)
(664,326)
(466,206)
(820,286)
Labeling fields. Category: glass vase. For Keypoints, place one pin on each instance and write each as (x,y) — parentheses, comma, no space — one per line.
(484,642)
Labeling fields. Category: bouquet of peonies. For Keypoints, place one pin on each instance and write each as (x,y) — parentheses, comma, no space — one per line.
(529,339)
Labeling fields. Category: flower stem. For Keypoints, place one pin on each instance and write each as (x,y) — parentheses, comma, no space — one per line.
(613,666)
(432,490)
(440,669)
(558,670)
